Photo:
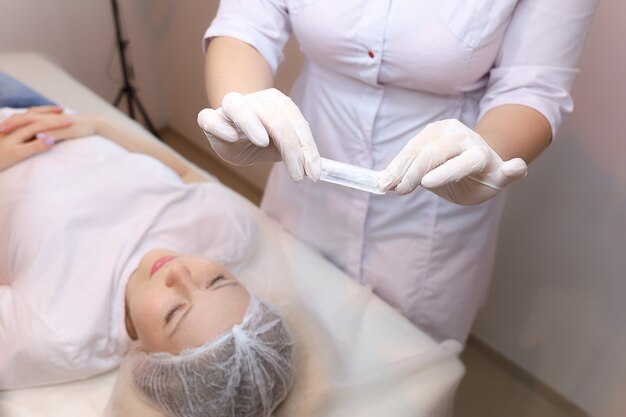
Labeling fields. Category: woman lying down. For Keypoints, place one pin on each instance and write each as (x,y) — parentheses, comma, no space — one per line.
(106,251)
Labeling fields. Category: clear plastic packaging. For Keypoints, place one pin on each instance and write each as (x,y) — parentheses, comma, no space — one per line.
(350,176)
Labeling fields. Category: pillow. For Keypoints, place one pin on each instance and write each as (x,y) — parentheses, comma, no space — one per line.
(17,95)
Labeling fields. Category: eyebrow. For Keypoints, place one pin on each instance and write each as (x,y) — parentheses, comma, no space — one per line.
(180,320)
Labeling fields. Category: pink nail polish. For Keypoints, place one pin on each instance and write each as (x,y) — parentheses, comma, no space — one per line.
(48,140)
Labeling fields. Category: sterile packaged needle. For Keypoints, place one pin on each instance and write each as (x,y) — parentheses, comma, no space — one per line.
(350,176)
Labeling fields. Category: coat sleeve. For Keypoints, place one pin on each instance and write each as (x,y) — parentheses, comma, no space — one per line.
(264,24)
(537,62)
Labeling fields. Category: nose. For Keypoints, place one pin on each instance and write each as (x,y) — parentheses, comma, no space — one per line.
(179,275)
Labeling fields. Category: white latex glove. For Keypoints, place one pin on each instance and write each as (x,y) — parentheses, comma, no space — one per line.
(454,162)
(264,126)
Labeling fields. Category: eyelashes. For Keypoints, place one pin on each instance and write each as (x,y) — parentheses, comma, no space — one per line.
(217,279)
(170,314)
(173,310)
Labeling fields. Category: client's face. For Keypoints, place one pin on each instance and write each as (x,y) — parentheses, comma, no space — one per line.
(176,301)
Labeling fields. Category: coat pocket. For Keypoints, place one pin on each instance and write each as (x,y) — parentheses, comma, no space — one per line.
(475,21)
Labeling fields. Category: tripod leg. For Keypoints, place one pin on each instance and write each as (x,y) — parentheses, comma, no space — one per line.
(128,89)
(130,98)
(118,98)
(145,116)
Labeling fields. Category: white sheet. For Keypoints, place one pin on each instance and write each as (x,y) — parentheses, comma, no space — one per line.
(77,220)
(362,336)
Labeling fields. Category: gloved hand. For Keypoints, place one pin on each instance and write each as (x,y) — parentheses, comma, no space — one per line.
(454,162)
(264,126)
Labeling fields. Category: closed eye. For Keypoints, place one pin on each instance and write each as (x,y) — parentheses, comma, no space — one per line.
(170,314)
(217,279)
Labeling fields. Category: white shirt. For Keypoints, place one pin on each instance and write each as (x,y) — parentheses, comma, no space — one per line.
(376,73)
(75,221)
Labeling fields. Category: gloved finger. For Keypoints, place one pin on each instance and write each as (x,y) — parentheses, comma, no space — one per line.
(214,123)
(284,138)
(434,154)
(513,169)
(310,154)
(240,153)
(472,161)
(237,109)
(391,176)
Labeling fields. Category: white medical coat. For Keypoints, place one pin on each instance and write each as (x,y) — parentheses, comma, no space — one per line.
(376,73)
(75,221)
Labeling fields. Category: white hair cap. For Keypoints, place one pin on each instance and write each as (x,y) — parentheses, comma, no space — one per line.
(246,372)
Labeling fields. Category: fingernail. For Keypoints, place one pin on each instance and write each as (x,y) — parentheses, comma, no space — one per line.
(402,190)
(48,140)
(258,135)
(227,131)
(297,176)
(2,128)
(384,181)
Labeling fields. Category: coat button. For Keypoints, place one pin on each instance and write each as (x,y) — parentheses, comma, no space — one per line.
(371,54)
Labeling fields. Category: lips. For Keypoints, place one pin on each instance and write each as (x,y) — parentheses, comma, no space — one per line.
(160,263)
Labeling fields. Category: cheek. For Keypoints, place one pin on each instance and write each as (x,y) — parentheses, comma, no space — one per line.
(231,306)
(145,313)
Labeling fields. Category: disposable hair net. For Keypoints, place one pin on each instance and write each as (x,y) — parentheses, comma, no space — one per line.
(352,359)
(246,372)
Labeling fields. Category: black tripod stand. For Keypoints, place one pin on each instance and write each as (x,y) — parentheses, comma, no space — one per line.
(127,90)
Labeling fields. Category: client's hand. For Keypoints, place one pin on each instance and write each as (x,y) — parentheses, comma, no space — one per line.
(78,126)
(18,120)
(23,142)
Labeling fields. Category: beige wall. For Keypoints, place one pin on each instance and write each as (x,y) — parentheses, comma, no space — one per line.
(556,306)
(185,78)
(165,38)
(184,83)
(79,35)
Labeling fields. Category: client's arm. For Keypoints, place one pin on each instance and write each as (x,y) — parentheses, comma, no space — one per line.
(136,143)
(51,127)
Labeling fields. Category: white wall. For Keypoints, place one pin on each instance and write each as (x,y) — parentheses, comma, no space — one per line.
(556,305)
